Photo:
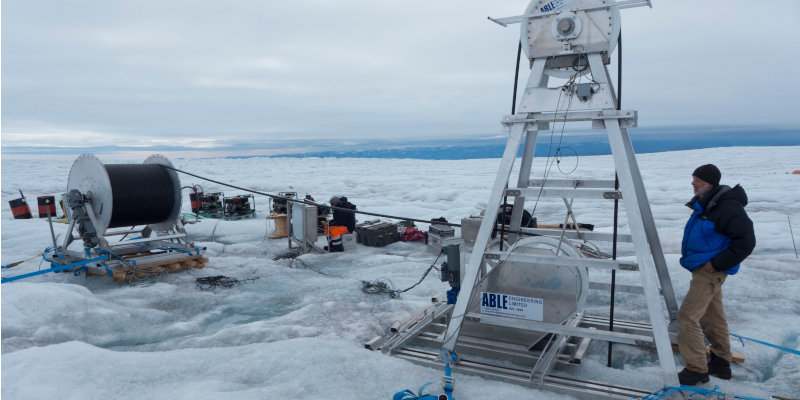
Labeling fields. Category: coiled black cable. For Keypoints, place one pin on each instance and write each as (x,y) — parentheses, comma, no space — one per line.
(143,194)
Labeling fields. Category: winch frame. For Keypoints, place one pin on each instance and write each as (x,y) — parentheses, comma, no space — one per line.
(168,238)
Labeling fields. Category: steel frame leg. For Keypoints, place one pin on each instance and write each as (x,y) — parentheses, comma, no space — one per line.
(628,171)
(647,214)
(537,78)
(652,233)
(523,181)
(484,233)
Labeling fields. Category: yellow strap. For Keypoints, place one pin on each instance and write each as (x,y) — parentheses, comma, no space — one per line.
(20,262)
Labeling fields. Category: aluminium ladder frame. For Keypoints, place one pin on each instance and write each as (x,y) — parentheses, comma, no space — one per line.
(534,113)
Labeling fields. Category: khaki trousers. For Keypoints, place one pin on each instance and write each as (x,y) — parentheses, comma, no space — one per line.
(701,313)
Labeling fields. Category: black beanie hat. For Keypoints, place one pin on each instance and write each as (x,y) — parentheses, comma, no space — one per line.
(708,173)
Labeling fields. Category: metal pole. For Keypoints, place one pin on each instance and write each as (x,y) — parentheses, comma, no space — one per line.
(792,233)
(289,232)
(503,222)
(513,110)
(50,221)
(616,202)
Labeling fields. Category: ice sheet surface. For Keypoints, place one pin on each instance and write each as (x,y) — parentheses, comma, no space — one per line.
(297,332)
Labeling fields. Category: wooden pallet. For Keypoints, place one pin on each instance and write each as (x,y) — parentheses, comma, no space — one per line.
(145,270)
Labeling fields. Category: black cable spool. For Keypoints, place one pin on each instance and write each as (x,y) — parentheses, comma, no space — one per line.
(143,194)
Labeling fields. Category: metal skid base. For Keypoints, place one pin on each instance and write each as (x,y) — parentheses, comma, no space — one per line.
(419,339)
(149,250)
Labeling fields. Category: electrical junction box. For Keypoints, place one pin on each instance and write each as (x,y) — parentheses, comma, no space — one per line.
(304,223)
(436,242)
(584,91)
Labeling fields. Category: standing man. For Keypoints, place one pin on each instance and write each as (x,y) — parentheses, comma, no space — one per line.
(717,238)
(343,222)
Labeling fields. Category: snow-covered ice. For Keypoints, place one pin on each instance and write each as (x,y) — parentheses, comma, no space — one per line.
(298,330)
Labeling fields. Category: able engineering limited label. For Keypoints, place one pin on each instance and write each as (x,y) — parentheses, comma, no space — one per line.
(505,305)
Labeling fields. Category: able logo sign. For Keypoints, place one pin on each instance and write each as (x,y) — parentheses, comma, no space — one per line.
(506,305)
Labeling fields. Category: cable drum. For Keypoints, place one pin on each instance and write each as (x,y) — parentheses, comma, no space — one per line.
(129,194)
(143,194)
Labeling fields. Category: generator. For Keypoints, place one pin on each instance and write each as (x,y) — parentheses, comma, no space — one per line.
(239,207)
(280,206)
(211,205)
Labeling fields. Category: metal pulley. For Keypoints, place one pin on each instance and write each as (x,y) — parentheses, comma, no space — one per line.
(560,30)
(566,26)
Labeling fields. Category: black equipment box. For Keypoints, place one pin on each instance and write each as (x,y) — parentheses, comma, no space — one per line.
(442,230)
(376,234)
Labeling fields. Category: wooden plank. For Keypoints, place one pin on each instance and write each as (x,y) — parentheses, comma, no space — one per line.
(737,357)
(96,272)
(142,254)
(174,260)
(145,270)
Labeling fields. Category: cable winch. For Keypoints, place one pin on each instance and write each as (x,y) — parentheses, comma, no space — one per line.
(144,198)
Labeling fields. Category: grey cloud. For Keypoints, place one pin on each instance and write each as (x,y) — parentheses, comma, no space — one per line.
(197,74)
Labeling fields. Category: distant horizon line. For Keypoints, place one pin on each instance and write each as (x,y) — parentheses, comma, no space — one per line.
(648,140)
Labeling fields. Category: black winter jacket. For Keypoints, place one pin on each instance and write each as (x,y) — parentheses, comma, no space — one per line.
(344,218)
(719,231)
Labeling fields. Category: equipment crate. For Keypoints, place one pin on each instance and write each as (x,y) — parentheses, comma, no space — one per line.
(376,234)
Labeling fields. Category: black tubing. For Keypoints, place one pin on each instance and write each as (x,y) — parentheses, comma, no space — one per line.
(143,194)
(272,196)
(616,202)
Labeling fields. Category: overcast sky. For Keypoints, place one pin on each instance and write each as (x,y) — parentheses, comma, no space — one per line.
(205,73)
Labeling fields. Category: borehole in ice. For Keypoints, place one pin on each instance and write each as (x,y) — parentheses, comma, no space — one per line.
(790,343)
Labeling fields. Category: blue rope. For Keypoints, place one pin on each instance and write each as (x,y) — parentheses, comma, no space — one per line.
(669,390)
(448,382)
(101,251)
(55,268)
(409,395)
(765,344)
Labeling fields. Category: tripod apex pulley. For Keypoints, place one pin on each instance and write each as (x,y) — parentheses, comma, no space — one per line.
(577,27)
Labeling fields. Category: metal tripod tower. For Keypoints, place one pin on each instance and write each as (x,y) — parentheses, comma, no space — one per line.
(568,40)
